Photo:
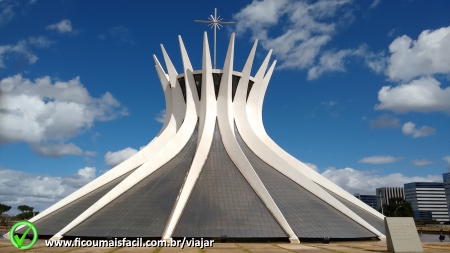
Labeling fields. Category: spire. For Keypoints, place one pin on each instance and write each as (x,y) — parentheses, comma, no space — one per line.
(215,22)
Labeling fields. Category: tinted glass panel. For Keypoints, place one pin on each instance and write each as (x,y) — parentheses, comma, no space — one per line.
(54,222)
(198,84)
(223,203)
(234,85)
(308,216)
(143,210)
(217,77)
(369,218)
(183,87)
(249,88)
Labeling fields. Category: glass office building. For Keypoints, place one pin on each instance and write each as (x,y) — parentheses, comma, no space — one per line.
(370,200)
(385,193)
(428,200)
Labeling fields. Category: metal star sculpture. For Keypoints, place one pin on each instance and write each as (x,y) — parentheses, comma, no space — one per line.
(215,22)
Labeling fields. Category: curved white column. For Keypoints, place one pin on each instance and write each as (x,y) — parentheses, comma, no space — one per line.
(266,154)
(258,91)
(169,151)
(188,75)
(226,127)
(208,112)
(164,79)
(179,106)
(165,135)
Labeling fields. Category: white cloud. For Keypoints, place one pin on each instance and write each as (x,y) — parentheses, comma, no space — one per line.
(421,162)
(19,50)
(447,159)
(392,32)
(39,191)
(161,117)
(365,182)
(375,61)
(421,95)
(65,26)
(41,110)
(307,27)
(312,166)
(429,54)
(41,41)
(375,3)
(90,153)
(380,159)
(114,158)
(331,61)
(55,150)
(385,121)
(409,128)
(6,11)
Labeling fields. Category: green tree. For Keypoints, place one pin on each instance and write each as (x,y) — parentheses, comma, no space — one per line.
(25,208)
(4,208)
(26,212)
(398,207)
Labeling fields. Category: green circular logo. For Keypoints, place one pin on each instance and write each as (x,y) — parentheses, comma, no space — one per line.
(18,241)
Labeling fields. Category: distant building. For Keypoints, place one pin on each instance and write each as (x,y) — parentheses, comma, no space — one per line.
(446,177)
(427,200)
(385,193)
(370,200)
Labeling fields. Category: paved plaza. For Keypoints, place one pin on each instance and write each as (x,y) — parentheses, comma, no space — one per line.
(344,247)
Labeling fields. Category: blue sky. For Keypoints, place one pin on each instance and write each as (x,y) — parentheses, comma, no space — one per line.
(360,93)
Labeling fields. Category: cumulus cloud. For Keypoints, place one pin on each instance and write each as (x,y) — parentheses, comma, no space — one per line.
(161,117)
(421,162)
(312,166)
(409,128)
(380,159)
(41,41)
(385,121)
(55,150)
(114,158)
(39,191)
(42,111)
(447,159)
(20,50)
(308,27)
(64,26)
(90,153)
(365,182)
(421,95)
(429,54)
(331,61)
